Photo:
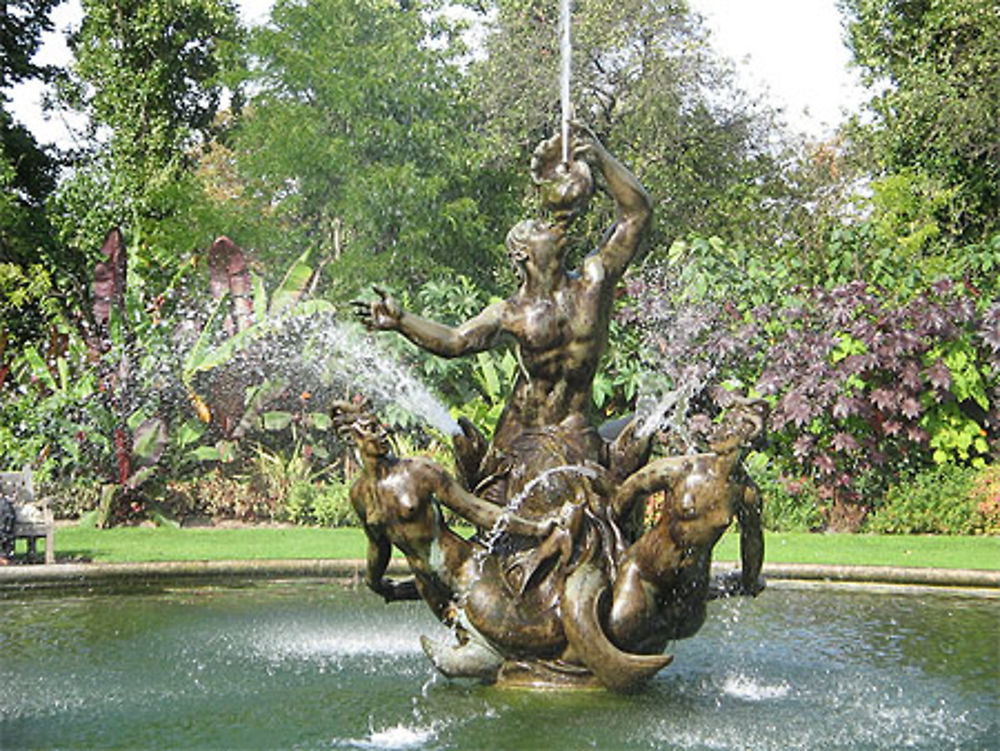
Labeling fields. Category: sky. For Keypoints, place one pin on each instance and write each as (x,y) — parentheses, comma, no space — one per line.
(794,51)
(790,51)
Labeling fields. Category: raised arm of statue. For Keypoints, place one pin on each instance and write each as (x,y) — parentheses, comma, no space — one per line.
(623,240)
(475,335)
(659,475)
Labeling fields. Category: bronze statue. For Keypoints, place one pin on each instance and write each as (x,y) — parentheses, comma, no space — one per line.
(559,586)
(558,321)
(397,499)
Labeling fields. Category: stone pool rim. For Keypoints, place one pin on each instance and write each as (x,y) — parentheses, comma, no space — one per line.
(20,578)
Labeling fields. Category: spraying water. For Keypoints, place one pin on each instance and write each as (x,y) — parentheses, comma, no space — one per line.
(566,50)
(490,539)
(660,409)
(344,354)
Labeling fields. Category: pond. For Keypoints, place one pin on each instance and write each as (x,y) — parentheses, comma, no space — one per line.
(317,665)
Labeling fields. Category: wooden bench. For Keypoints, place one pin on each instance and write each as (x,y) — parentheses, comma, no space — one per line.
(32,516)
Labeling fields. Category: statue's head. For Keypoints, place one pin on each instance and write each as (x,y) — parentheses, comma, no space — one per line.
(536,248)
(356,421)
(741,425)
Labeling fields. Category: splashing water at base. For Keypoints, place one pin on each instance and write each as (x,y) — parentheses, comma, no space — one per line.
(398,737)
(745,687)
(864,671)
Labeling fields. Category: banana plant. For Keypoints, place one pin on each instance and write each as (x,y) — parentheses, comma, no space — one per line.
(269,314)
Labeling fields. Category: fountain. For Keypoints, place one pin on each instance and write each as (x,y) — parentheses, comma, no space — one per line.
(561,586)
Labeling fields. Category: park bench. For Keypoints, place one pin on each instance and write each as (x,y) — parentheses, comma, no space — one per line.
(32,516)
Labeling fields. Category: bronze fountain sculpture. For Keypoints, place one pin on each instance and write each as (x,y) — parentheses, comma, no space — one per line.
(561,586)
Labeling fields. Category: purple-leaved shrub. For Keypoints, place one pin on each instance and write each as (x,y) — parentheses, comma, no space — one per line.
(863,388)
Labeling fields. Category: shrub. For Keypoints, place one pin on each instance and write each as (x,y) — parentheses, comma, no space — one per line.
(70,500)
(327,504)
(986,496)
(864,388)
(947,499)
(789,504)
(216,495)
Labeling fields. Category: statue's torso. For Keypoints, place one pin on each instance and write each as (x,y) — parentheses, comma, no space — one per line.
(560,339)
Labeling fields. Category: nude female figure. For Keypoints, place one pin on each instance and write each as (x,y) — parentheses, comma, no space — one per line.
(663,578)
(397,501)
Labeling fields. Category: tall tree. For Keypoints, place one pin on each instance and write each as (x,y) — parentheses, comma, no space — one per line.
(645,77)
(357,141)
(27,175)
(937,66)
(149,76)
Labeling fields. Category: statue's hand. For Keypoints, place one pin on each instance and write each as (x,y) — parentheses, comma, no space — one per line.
(586,145)
(392,589)
(732,584)
(383,314)
(546,156)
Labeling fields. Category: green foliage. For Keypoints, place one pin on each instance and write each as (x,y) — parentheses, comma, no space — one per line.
(864,387)
(936,117)
(646,79)
(345,150)
(327,504)
(789,505)
(493,375)
(214,494)
(955,435)
(151,74)
(939,500)
(48,410)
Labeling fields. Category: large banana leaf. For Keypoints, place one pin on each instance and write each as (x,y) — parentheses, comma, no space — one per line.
(293,286)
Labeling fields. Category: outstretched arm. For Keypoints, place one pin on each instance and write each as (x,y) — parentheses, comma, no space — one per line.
(481,513)
(621,245)
(475,335)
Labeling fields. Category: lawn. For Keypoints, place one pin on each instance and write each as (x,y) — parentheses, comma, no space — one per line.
(133,544)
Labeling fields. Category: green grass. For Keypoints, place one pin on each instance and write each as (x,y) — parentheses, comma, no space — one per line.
(921,551)
(134,544)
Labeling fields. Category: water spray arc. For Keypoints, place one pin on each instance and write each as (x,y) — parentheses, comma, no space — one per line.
(566,61)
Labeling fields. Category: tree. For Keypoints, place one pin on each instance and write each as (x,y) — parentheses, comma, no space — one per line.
(149,76)
(645,77)
(357,142)
(27,177)
(937,63)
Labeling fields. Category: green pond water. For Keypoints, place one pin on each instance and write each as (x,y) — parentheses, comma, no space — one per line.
(317,665)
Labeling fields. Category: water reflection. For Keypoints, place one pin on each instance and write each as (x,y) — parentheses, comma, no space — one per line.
(311,665)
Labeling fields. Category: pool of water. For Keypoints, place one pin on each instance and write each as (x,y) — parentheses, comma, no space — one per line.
(315,665)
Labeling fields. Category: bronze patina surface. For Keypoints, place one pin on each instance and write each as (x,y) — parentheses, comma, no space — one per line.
(561,587)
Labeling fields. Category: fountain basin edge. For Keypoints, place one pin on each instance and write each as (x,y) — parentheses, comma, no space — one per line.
(17,579)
